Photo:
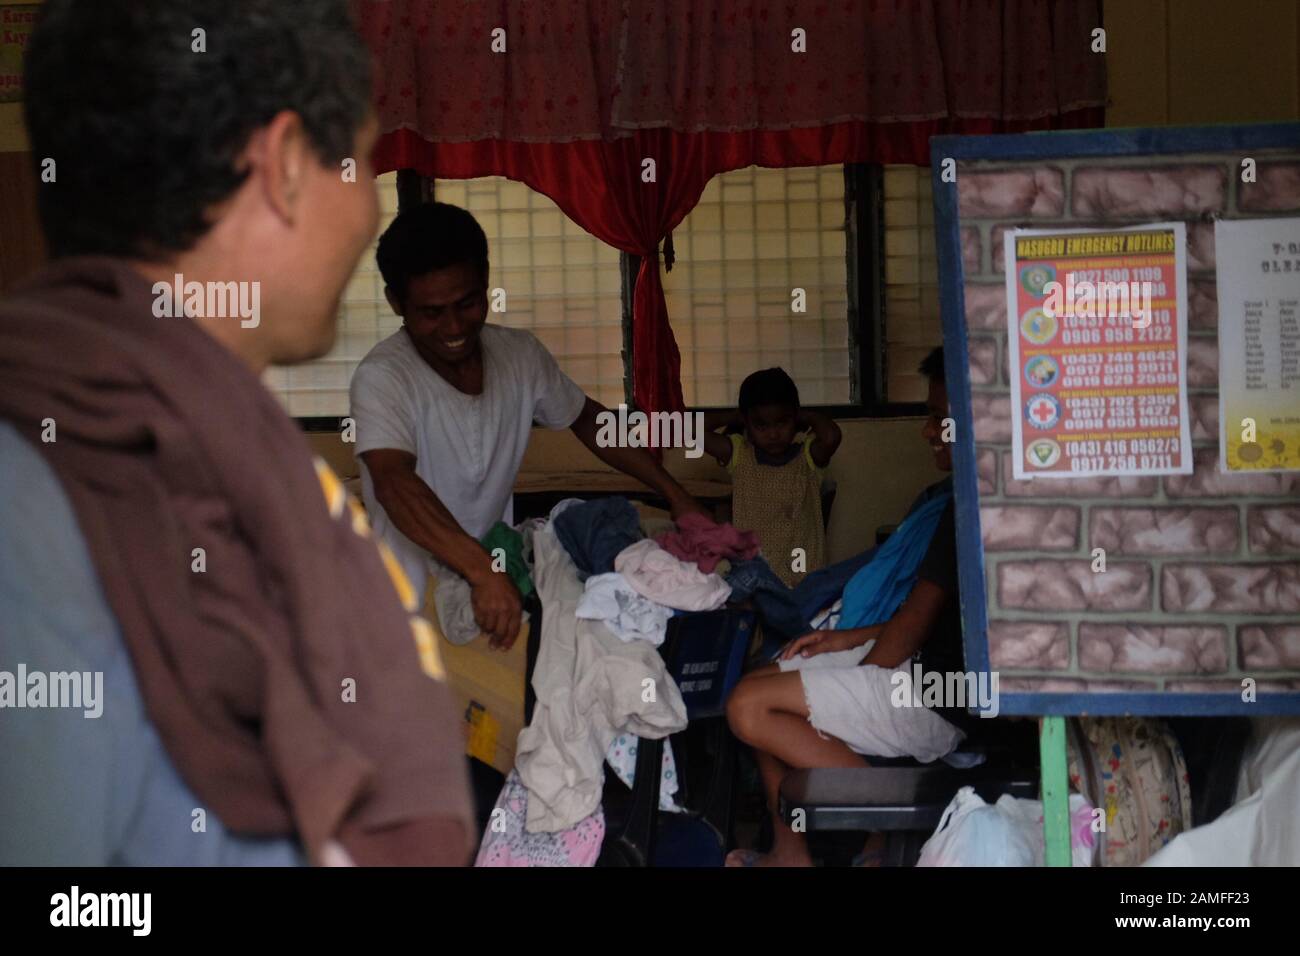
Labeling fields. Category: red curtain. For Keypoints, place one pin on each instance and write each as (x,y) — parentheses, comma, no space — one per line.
(574,97)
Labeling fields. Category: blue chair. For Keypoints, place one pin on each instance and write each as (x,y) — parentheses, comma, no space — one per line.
(704,654)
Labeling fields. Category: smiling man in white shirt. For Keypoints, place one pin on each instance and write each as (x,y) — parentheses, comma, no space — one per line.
(444,408)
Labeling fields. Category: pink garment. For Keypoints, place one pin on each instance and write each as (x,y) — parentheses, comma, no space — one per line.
(507,842)
(654,573)
(706,542)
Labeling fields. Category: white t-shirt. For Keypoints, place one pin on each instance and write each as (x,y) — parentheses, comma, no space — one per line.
(467,447)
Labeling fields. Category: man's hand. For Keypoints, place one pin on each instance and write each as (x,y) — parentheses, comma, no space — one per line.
(498,608)
(824,642)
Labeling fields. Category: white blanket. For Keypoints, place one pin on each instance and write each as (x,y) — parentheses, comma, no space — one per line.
(1263,827)
(590,687)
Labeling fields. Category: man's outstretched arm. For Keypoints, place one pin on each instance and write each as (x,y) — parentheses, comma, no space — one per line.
(633,462)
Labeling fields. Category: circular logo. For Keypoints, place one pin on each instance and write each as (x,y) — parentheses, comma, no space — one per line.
(1041,371)
(1250,451)
(1043,411)
(1038,327)
(1043,453)
(1035,277)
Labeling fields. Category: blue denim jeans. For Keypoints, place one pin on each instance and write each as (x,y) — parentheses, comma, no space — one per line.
(754,579)
(595,531)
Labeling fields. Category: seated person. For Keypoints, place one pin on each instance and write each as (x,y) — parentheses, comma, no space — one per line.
(776,470)
(827,701)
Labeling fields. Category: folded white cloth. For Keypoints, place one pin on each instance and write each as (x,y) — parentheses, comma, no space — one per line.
(654,573)
(452,598)
(629,615)
(590,688)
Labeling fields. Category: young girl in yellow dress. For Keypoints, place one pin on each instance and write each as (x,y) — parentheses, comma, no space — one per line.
(777,465)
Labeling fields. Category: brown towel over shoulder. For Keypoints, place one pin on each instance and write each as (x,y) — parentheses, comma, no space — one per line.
(289,685)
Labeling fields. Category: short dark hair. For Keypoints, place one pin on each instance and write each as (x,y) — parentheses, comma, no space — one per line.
(146,133)
(435,235)
(932,366)
(771,386)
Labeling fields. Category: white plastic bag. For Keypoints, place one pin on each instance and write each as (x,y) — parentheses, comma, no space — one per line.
(1029,813)
(972,833)
(1008,833)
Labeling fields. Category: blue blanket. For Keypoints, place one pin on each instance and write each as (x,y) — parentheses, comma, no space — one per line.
(879,588)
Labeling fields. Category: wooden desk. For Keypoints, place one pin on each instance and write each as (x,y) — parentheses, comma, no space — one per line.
(537,492)
(610,483)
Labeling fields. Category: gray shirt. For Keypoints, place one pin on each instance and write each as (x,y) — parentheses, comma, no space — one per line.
(78,790)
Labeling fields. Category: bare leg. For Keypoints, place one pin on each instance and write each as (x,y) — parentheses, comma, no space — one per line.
(788,847)
(770,714)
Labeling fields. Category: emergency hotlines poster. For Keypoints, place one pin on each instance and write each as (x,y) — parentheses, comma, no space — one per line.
(1097,341)
(1259,344)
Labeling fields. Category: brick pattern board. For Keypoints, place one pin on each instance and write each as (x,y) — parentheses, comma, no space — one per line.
(1164,530)
(983,360)
(1269,646)
(1276,189)
(1202,306)
(1037,645)
(1201,582)
(1023,528)
(1160,650)
(1273,530)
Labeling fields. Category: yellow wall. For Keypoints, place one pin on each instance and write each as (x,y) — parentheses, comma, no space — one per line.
(878,470)
(13,135)
(1181,62)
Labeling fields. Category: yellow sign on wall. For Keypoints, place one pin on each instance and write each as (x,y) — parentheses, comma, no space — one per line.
(1258,285)
(17,21)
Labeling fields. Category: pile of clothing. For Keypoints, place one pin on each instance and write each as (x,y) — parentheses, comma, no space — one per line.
(633,583)
(607,594)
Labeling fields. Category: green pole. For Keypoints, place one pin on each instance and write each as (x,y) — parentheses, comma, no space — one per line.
(1055,790)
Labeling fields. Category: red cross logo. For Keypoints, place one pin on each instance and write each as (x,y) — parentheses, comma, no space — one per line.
(1043,411)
